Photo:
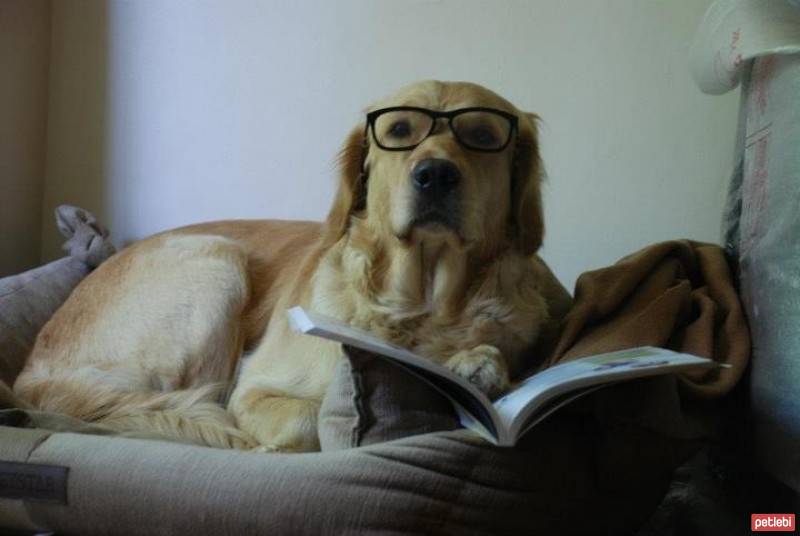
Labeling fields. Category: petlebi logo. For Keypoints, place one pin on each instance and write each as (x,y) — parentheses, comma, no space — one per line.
(772,522)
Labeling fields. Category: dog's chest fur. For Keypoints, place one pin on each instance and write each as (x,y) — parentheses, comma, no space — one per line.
(435,310)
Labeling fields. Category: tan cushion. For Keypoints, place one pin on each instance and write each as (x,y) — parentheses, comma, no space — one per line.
(16,445)
(569,476)
(27,301)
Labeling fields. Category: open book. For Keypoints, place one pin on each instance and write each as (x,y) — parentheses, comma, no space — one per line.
(506,419)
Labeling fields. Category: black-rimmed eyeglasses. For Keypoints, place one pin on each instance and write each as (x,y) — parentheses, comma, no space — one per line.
(401,128)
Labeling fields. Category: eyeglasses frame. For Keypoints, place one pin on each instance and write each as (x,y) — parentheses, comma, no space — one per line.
(435,115)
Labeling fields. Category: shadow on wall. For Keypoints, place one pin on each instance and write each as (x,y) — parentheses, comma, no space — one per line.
(78,120)
(24,51)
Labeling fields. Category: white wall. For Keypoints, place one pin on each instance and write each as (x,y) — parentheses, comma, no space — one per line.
(236,109)
(24,38)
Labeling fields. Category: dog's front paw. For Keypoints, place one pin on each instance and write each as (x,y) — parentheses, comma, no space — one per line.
(484,367)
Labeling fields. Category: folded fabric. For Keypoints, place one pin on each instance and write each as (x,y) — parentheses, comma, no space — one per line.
(87,239)
(678,295)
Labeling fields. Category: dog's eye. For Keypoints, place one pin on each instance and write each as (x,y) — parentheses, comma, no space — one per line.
(482,136)
(400,129)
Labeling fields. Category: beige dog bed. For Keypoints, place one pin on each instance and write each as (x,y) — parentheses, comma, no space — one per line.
(393,460)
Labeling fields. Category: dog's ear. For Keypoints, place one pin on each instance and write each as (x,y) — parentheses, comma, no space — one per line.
(526,198)
(351,192)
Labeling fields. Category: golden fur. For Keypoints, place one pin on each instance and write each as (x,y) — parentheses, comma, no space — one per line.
(142,341)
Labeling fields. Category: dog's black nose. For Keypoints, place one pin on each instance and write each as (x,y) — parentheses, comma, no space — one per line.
(435,177)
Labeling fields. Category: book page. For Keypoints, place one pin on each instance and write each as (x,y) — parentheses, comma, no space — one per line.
(521,405)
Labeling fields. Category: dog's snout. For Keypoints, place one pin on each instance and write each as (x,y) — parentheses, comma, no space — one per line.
(435,177)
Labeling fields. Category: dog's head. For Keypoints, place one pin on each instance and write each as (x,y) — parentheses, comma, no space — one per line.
(447,159)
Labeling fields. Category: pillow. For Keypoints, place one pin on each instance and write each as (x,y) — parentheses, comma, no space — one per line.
(372,400)
(29,299)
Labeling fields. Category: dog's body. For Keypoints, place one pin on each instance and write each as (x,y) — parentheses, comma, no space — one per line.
(140,340)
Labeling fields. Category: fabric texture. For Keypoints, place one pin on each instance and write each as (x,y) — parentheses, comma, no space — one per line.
(568,477)
(29,299)
(372,401)
(678,295)
(87,239)
(757,42)
(762,227)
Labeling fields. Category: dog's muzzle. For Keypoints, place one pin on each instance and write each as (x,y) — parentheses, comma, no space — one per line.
(435,182)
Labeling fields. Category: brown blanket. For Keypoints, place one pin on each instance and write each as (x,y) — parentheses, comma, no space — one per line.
(678,295)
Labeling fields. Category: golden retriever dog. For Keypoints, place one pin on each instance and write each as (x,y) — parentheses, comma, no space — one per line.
(430,243)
